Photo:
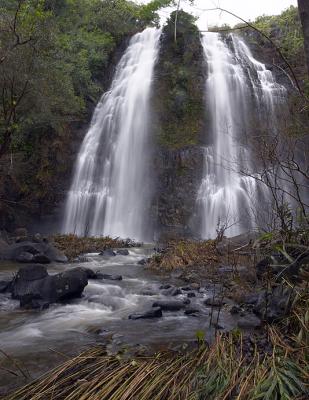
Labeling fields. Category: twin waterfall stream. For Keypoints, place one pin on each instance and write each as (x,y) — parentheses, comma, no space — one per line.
(111,191)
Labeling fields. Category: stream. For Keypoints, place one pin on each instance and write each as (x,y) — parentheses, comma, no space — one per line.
(39,340)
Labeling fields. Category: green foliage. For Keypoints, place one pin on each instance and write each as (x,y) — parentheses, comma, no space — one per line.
(55,57)
(53,53)
(179,100)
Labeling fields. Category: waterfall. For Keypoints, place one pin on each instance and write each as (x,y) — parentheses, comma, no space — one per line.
(111,188)
(240,94)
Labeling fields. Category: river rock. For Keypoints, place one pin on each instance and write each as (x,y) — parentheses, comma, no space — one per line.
(100,275)
(41,258)
(5,286)
(123,252)
(214,302)
(33,302)
(191,294)
(172,305)
(191,311)
(166,286)
(155,312)
(274,304)
(143,261)
(148,292)
(14,250)
(32,282)
(173,291)
(37,238)
(89,272)
(108,253)
(249,321)
(24,257)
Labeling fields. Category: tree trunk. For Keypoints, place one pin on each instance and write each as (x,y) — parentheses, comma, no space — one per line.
(303,8)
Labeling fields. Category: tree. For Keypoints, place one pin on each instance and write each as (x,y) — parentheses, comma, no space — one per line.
(303,7)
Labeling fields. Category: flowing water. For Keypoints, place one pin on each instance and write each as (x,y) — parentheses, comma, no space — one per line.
(111,189)
(241,93)
(37,339)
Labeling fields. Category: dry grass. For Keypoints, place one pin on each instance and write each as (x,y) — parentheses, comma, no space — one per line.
(234,367)
(73,246)
(185,253)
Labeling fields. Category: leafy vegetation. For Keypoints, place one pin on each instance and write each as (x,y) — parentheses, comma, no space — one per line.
(56,57)
(179,95)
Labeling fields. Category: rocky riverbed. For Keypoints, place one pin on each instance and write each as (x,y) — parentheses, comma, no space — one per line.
(122,304)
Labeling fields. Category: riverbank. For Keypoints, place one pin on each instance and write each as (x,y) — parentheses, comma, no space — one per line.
(167,304)
(272,364)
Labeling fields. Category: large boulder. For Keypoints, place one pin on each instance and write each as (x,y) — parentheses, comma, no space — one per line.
(275,304)
(24,257)
(12,252)
(5,286)
(33,285)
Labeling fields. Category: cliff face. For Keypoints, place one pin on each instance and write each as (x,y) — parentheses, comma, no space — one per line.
(178,107)
(35,185)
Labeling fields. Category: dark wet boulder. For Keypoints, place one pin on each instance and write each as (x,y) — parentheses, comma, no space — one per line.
(64,286)
(172,291)
(5,286)
(214,302)
(251,298)
(53,253)
(155,312)
(37,238)
(191,311)
(191,294)
(13,251)
(41,258)
(28,281)
(123,252)
(172,305)
(24,257)
(148,292)
(164,287)
(235,310)
(89,272)
(100,275)
(108,253)
(249,321)
(143,261)
(33,302)
(32,282)
(274,304)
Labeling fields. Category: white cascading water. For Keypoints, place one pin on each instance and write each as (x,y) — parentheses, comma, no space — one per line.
(110,192)
(237,87)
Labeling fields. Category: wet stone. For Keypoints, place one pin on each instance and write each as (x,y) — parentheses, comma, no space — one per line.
(123,252)
(169,305)
(155,312)
(100,275)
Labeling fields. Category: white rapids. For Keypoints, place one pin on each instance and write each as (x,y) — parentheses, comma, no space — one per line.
(111,189)
(240,92)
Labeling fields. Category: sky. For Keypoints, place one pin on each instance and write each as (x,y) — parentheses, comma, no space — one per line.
(246,9)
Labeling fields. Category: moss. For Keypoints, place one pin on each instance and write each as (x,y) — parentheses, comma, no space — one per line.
(179,96)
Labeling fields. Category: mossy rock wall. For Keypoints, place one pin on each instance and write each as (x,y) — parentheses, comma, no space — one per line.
(179,125)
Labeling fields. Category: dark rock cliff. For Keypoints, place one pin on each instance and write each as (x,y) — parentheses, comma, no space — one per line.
(178,107)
